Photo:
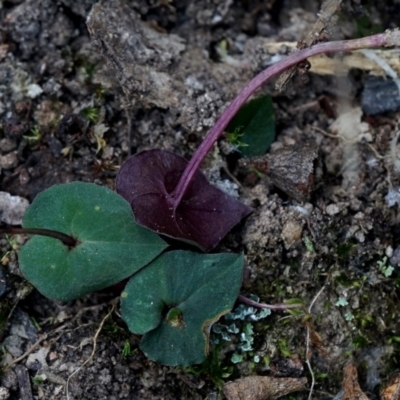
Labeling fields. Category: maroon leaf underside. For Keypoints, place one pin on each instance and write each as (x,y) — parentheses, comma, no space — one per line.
(205,215)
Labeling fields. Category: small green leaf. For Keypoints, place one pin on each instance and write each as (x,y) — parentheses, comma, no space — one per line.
(111,246)
(255,125)
(236,358)
(342,302)
(175,300)
(294,300)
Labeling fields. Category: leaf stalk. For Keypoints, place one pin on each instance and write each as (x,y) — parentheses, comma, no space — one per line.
(387,39)
(64,238)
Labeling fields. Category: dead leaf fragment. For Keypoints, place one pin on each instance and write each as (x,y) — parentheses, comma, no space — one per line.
(392,389)
(262,388)
(293,169)
(350,387)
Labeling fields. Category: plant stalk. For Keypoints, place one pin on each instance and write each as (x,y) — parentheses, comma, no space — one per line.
(387,39)
(64,238)
(276,307)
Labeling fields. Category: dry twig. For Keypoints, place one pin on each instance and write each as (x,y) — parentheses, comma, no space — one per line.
(93,350)
(328,9)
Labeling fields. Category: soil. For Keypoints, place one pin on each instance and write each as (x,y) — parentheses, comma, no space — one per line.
(75,105)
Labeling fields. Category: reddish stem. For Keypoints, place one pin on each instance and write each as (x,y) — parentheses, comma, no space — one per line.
(277,307)
(64,238)
(389,38)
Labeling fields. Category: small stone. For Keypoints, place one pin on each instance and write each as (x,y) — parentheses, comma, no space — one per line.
(13,345)
(34,90)
(389,251)
(4,393)
(8,161)
(9,379)
(12,208)
(395,259)
(108,153)
(24,177)
(332,209)
(291,233)
(58,390)
(37,359)
(359,235)
(7,145)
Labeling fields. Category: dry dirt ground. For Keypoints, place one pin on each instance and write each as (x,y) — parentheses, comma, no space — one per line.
(68,115)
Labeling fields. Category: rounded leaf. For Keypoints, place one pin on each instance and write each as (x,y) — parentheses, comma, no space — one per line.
(111,246)
(175,300)
(205,215)
(255,126)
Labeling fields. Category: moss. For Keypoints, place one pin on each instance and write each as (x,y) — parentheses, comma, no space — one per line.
(344,250)
(284,348)
(360,342)
(214,368)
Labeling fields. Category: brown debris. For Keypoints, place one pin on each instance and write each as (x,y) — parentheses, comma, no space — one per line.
(315,341)
(317,33)
(392,389)
(287,367)
(326,65)
(350,387)
(262,388)
(293,169)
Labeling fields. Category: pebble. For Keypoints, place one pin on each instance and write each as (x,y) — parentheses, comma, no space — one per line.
(9,161)
(332,209)
(9,380)
(395,258)
(24,176)
(389,251)
(34,90)
(12,208)
(7,145)
(291,233)
(4,393)
(13,345)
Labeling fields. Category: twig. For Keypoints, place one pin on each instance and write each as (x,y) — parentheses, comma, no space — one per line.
(26,354)
(341,137)
(277,307)
(93,350)
(33,347)
(308,344)
(328,9)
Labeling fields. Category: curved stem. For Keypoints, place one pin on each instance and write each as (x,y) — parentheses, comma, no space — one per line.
(389,38)
(278,307)
(66,239)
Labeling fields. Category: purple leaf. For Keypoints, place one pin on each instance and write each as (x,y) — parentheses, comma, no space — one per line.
(205,214)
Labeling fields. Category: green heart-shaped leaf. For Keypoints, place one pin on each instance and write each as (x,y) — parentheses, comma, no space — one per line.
(111,246)
(175,300)
(254,125)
